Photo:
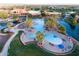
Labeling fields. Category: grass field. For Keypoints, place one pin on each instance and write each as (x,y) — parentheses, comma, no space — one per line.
(1,46)
(75,52)
(18,49)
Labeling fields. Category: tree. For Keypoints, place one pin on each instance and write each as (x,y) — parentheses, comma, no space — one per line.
(43,13)
(40,36)
(3,15)
(15,16)
(62,29)
(51,24)
(71,20)
(29,22)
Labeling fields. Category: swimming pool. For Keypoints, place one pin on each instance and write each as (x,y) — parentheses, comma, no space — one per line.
(3,25)
(38,24)
(53,41)
(49,36)
(53,38)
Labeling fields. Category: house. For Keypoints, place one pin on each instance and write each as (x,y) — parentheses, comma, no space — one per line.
(34,13)
(19,12)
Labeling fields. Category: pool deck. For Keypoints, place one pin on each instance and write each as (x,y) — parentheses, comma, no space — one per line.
(25,40)
(68,46)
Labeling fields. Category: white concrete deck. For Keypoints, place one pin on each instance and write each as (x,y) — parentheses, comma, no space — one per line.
(24,38)
(68,46)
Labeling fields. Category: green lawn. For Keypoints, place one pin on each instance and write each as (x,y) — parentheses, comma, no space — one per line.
(75,52)
(1,46)
(18,49)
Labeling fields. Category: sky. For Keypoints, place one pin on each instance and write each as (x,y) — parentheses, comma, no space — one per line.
(44,2)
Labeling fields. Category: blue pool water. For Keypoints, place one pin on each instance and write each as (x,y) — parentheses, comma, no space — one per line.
(50,36)
(3,25)
(61,46)
(67,26)
(38,24)
(31,35)
(73,33)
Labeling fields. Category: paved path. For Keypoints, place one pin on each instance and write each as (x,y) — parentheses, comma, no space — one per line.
(4,38)
(7,45)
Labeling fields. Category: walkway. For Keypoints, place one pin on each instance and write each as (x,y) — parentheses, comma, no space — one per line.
(7,45)
(4,38)
(68,45)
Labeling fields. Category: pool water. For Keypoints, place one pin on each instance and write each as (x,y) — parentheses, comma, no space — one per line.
(61,46)
(31,35)
(39,28)
(38,24)
(50,36)
(3,25)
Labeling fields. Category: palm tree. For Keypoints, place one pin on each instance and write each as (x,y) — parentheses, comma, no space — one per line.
(43,13)
(4,15)
(29,23)
(62,29)
(72,21)
(40,37)
(51,24)
(15,16)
